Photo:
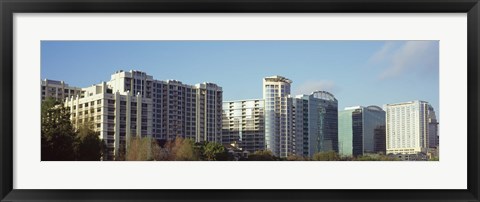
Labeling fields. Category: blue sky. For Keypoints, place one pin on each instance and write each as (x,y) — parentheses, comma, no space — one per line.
(356,72)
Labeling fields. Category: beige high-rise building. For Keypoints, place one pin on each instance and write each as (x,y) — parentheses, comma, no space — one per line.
(407,127)
(134,104)
(58,90)
(244,124)
(115,115)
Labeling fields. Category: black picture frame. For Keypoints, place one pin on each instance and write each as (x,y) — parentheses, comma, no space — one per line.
(10,7)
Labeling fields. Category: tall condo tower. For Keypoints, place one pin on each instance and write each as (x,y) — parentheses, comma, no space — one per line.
(278,114)
(407,127)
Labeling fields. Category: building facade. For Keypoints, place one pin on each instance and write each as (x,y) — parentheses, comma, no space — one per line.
(117,116)
(361,130)
(301,125)
(244,124)
(148,107)
(58,90)
(278,115)
(433,139)
(323,130)
(407,127)
(315,123)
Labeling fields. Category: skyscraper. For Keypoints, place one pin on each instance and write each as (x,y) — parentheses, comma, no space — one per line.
(244,124)
(433,140)
(278,114)
(134,104)
(301,124)
(361,130)
(315,123)
(323,122)
(407,127)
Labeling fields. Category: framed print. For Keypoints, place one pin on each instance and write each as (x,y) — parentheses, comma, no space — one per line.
(239,100)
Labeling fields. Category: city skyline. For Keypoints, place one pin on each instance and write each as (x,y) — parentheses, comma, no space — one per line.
(390,70)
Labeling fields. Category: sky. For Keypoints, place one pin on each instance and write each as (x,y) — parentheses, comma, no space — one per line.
(357,73)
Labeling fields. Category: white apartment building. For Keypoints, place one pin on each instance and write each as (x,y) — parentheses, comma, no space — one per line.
(116,115)
(133,103)
(244,124)
(407,127)
(58,90)
(278,115)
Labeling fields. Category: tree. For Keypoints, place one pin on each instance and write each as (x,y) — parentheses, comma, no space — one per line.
(375,157)
(180,149)
(183,150)
(294,157)
(213,151)
(435,158)
(57,133)
(326,156)
(89,147)
(140,149)
(262,155)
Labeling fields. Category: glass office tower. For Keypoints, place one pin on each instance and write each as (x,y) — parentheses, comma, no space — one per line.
(323,119)
(315,123)
(361,130)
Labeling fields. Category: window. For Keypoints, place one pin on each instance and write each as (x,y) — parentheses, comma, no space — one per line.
(99,101)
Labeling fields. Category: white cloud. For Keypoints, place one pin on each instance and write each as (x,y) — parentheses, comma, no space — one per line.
(411,56)
(383,53)
(310,86)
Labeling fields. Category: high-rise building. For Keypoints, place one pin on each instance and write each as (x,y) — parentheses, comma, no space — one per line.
(323,122)
(407,127)
(300,125)
(244,124)
(58,90)
(134,101)
(115,115)
(315,123)
(361,130)
(433,141)
(278,115)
